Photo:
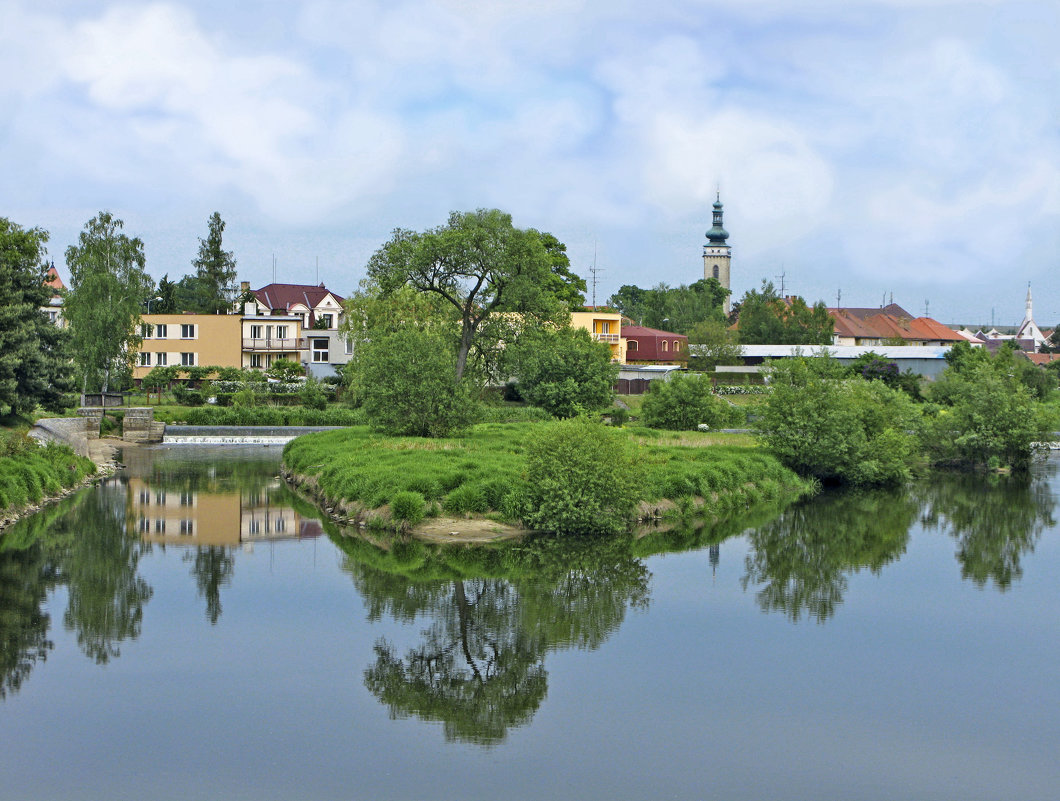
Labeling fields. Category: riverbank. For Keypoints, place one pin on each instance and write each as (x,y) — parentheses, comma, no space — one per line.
(467,483)
(33,476)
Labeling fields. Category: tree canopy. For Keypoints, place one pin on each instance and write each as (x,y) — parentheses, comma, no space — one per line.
(767,319)
(33,354)
(676,309)
(479,264)
(215,270)
(108,290)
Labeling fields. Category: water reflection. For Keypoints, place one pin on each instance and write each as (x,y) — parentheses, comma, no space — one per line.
(799,563)
(995,520)
(494,615)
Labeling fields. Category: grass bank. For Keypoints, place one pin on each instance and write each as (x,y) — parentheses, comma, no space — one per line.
(31,473)
(356,474)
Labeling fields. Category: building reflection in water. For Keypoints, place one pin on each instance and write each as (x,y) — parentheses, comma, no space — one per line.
(165,515)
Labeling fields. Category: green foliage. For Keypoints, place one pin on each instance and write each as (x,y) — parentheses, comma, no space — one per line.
(259,416)
(847,431)
(678,309)
(312,395)
(284,370)
(685,402)
(561,283)
(29,471)
(581,478)
(563,371)
(33,351)
(409,507)
(215,271)
(873,367)
(478,264)
(405,383)
(716,345)
(986,414)
(108,289)
(766,319)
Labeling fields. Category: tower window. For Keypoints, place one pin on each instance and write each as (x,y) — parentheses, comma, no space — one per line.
(716,272)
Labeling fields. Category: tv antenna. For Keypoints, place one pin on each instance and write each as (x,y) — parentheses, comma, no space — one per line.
(782,276)
(839,298)
(927,308)
(594,270)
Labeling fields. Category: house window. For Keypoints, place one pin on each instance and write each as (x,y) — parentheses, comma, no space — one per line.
(255,527)
(349,346)
(255,360)
(281,332)
(145,359)
(146,331)
(632,345)
(145,497)
(187,527)
(280,525)
(325,320)
(255,332)
(145,525)
(160,498)
(160,331)
(187,498)
(665,346)
(187,331)
(677,345)
(160,527)
(187,359)
(320,350)
(161,359)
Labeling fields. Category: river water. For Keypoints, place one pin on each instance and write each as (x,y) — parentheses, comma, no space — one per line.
(192,630)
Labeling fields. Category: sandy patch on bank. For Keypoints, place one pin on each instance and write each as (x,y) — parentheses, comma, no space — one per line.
(451,530)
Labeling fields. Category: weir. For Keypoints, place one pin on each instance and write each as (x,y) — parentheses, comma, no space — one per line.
(236,435)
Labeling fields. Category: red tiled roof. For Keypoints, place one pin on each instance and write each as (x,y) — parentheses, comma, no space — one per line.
(53,280)
(886,324)
(642,331)
(1043,358)
(283,296)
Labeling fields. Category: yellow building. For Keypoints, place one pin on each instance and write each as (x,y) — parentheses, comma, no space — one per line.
(188,340)
(603,327)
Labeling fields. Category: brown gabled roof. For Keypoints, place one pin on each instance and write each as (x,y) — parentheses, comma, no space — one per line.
(284,296)
(890,322)
(643,331)
(52,279)
(1042,359)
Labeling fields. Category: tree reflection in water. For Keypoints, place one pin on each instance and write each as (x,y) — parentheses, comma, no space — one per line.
(994,519)
(494,614)
(212,567)
(802,559)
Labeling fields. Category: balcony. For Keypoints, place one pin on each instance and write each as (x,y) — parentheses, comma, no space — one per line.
(273,345)
(611,339)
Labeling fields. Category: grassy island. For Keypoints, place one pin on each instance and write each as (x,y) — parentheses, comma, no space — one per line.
(397,482)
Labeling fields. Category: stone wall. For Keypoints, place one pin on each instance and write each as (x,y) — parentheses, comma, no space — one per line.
(140,426)
(72,431)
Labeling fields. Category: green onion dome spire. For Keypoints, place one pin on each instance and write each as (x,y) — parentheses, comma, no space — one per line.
(717,235)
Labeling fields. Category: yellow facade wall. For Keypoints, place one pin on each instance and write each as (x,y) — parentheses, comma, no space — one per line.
(603,327)
(214,341)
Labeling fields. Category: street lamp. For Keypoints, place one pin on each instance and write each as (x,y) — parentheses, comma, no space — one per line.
(159,300)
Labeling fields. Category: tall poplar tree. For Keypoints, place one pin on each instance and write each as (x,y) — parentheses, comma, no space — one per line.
(215,270)
(108,289)
(33,358)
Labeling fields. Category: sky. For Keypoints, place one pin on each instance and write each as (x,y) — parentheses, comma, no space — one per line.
(861,147)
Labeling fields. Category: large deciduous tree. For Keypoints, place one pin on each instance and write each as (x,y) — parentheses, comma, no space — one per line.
(215,270)
(108,288)
(33,360)
(768,319)
(478,263)
(676,309)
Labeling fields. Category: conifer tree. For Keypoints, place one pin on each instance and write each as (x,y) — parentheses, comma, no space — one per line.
(33,358)
(215,270)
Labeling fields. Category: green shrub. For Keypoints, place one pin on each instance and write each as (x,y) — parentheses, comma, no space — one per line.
(839,430)
(685,402)
(409,507)
(466,499)
(582,478)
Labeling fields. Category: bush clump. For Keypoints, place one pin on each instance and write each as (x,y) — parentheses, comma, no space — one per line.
(29,471)
(839,430)
(581,478)
(409,507)
(686,402)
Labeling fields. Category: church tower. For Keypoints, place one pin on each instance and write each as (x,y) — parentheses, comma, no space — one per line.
(717,255)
